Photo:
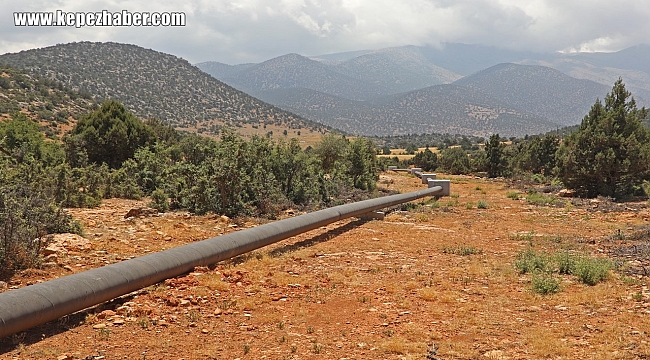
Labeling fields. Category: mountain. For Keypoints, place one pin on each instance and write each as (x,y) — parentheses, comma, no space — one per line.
(151,84)
(295,71)
(437,109)
(45,101)
(399,69)
(221,70)
(542,91)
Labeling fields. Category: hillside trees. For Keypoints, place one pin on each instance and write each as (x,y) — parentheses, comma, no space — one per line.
(610,153)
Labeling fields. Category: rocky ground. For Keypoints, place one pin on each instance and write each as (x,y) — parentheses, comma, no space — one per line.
(435,280)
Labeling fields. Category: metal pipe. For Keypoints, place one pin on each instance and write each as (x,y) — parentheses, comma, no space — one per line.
(37,304)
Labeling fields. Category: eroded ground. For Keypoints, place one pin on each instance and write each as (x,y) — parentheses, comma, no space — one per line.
(394,289)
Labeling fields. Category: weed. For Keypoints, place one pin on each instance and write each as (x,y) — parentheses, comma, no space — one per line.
(530,261)
(454,196)
(310,330)
(247,349)
(317,348)
(545,283)
(527,236)
(421,218)
(482,204)
(591,271)
(565,262)
(462,250)
(364,299)
(638,296)
(281,325)
(104,333)
(294,348)
(629,281)
(513,195)
(389,332)
(143,322)
(478,188)
(283,339)
(194,316)
(469,205)
(536,198)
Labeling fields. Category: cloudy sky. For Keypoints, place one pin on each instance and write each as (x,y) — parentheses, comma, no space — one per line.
(238,31)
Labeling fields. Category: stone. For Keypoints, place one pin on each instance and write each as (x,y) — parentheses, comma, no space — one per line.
(99,326)
(566,193)
(140,211)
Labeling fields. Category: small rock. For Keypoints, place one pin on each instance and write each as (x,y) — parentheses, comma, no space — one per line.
(106,314)
(64,357)
(123,310)
(218,311)
(185,303)
(99,326)
(68,267)
(141,211)
(224,218)
(118,321)
(163,323)
(51,258)
(3,285)
(566,193)
(172,301)
(494,354)
(205,331)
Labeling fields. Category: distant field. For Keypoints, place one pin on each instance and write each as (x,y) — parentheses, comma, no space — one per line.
(402,155)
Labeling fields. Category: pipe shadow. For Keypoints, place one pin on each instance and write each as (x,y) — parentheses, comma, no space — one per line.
(326,236)
(58,326)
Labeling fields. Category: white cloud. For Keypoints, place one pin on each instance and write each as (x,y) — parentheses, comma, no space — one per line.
(253,30)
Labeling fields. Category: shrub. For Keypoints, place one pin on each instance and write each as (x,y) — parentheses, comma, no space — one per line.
(530,261)
(482,204)
(545,283)
(26,215)
(591,271)
(159,200)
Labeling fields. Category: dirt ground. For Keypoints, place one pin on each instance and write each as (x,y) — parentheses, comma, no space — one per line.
(393,289)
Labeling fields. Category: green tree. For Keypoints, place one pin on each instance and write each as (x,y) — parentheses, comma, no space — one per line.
(110,135)
(411,149)
(537,154)
(609,153)
(494,154)
(454,161)
(362,159)
(427,160)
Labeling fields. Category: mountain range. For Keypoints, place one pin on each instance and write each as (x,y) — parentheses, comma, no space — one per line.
(464,89)
(494,90)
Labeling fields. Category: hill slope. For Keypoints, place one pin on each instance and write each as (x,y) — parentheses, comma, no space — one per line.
(47,102)
(542,91)
(438,109)
(295,71)
(149,83)
(398,69)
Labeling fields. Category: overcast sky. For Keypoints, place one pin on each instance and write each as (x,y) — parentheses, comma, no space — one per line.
(239,31)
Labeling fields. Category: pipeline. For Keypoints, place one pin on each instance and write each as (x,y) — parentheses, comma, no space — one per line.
(37,304)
